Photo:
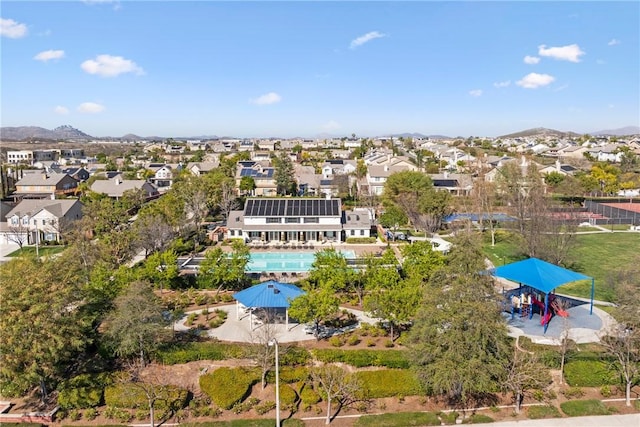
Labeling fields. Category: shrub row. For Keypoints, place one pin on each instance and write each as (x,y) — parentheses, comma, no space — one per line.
(543,411)
(395,359)
(133,396)
(228,386)
(189,352)
(363,240)
(83,391)
(390,382)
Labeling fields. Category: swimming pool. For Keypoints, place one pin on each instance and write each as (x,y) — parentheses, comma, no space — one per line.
(277,262)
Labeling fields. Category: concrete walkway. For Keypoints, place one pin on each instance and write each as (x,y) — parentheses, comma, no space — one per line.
(627,420)
(238,328)
(6,249)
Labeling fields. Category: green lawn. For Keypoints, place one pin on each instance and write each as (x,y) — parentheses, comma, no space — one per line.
(43,251)
(601,256)
(598,255)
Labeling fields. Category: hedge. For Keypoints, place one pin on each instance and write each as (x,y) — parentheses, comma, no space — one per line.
(589,373)
(361,240)
(228,386)
(289,375)
(288,397)
(190,352)
(291,422)
(132,396)
(309,396)
(395,359)
(83,391)
(390,382)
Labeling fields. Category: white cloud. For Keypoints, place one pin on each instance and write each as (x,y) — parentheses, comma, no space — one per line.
(366,38)
(502,84)
(475,92)
(266,99)
(331,125)
(570,52)
(535,80)
(613,42)
(531,59)
(12,29)
(90,108)
(61,110)
(48,55)
(110,66)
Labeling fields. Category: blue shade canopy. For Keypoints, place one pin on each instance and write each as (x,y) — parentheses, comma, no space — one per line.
(269,294)
(538,274)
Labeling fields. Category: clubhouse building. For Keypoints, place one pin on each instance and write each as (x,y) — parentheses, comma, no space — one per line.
(296,220)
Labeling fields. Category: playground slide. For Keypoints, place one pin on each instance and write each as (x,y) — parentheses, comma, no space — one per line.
(559,311)
(538,304)
(545,319)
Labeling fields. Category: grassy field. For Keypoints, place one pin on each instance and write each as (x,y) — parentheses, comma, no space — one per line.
(598,255)
(43,251)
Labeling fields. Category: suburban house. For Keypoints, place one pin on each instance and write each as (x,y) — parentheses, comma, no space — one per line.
(285,220)
(263,176)
(607,153)
(378,175)
(202,168)
(46,184)
(455,183)
(561,168)
(115,187)
(162,174)
(337,167)
(40,220)
(80,174)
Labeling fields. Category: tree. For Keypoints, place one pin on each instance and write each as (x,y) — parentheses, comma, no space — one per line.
(247,184)
(227,200)
(524,373)
(335,385)
(394,300)
(315,306)
(18,233)
(331,270)
(420,261)
(368,277)
(222,270)
(405,189)
(152,233)
(458,343)
(622,342)
(284,174)
(43,326)
(161,269)
(137,325)
(485,198)
(260,351)
(393,217)
(523,190)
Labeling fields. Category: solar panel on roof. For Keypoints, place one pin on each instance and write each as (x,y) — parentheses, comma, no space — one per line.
(248,207)
(261,207)
(323,209)
(296,207)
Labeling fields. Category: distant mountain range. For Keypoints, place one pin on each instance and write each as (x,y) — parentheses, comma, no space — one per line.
(66,132)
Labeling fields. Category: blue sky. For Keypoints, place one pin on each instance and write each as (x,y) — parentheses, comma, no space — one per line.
(286,69)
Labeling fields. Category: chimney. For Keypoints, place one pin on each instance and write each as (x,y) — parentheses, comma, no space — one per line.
(446,174)
(386,168)
(558,165)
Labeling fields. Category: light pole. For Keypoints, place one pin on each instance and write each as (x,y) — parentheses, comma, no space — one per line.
(273,342)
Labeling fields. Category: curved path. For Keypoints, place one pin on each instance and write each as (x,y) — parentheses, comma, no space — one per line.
(238,328)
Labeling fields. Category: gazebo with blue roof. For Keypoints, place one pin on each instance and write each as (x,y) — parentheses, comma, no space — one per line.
(543,276)
(267,295)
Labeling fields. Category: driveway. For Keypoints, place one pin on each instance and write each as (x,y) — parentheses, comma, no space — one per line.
(6,249)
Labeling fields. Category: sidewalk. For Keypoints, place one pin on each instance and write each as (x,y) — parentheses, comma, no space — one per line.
(628,420)
(6,249)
